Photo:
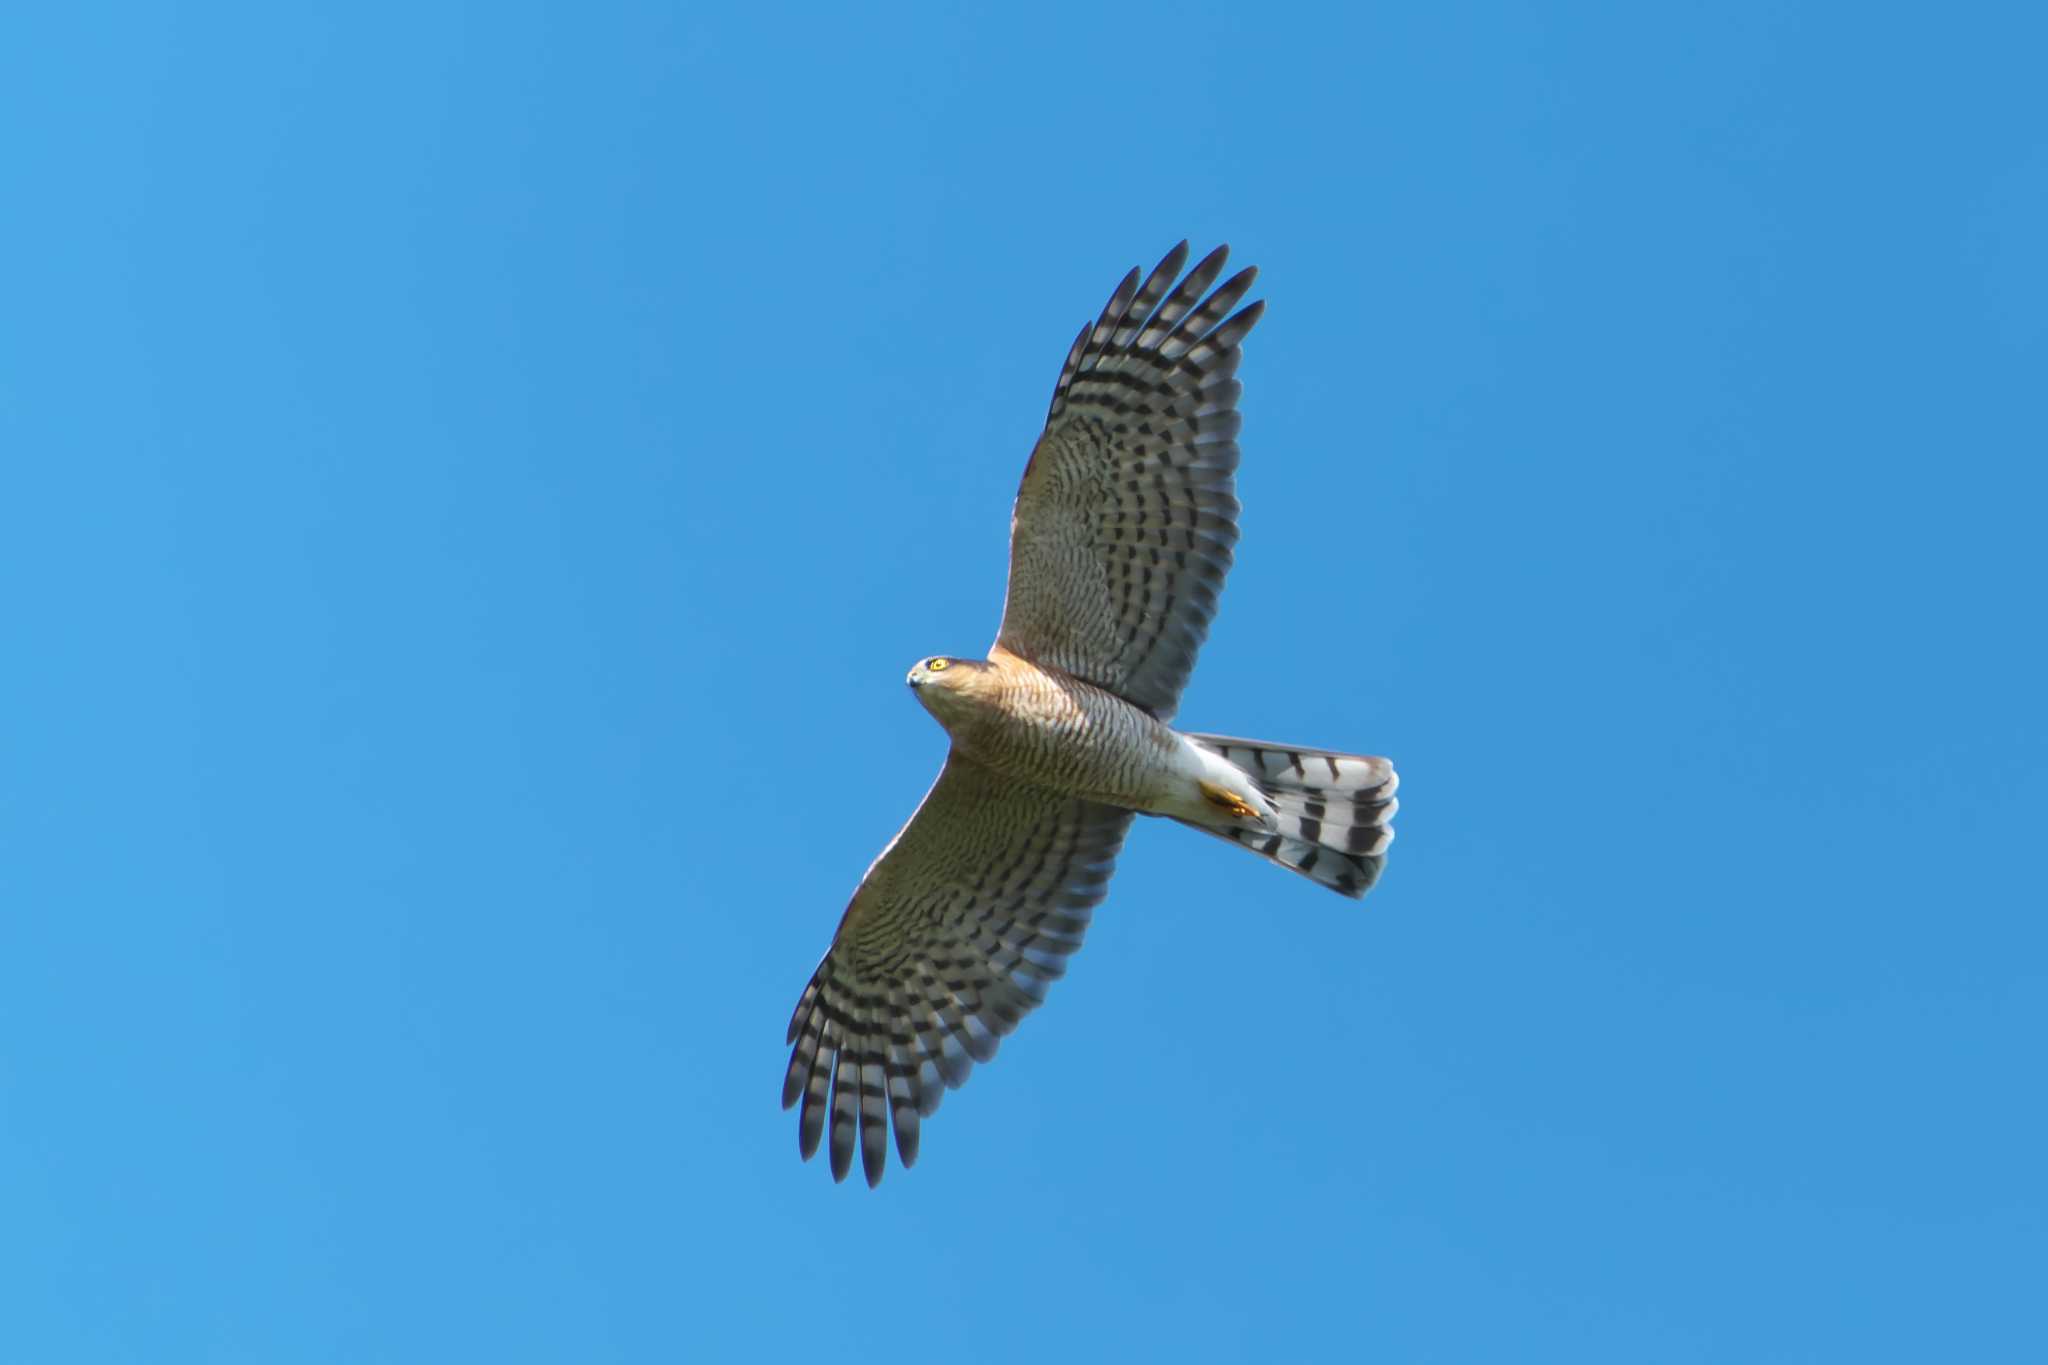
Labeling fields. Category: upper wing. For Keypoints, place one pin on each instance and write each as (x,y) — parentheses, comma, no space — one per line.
(951,938)
(1127,515)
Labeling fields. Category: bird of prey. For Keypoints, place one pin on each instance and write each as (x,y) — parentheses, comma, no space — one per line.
(1123,530)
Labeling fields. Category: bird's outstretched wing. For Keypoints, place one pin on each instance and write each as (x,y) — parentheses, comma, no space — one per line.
(1126,519)
(951,938)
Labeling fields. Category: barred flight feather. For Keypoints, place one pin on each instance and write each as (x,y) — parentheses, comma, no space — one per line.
(1335,810)
(948,943)
(1142,432)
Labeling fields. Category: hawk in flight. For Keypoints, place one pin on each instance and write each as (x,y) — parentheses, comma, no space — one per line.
(1122,533)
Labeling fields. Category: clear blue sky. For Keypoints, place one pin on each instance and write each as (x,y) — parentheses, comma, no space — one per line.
(472,479)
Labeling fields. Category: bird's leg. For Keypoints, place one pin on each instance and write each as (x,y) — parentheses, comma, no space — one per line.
(1226,800)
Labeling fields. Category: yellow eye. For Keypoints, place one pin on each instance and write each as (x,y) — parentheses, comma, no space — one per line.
(936,665)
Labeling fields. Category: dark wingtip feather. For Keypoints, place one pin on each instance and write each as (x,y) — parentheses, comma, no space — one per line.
(1121,299)
(842,1158)
(810,1124)
(793,1079)
(1170,264)
(907,1127)
(845,1113)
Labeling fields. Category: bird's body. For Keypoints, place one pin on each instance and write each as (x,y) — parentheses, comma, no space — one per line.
(1050,728)
(1123,530)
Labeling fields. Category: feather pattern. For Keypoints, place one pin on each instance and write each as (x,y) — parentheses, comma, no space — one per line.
(1335,811)
(1126,521)
(951,938)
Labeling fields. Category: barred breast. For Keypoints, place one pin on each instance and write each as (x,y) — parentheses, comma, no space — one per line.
(1044,726)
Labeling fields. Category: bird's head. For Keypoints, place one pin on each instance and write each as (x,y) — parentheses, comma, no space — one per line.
(944,684)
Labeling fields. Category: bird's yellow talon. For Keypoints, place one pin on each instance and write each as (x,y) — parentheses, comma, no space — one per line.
(1228,800)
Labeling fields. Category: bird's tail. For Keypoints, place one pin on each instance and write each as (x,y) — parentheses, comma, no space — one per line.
(1334,810)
